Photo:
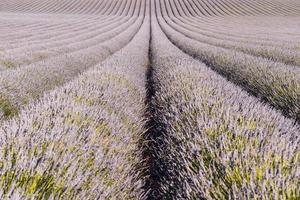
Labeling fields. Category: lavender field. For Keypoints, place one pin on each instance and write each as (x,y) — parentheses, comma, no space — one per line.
(150,99)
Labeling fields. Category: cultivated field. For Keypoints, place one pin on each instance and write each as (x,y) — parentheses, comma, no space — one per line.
(150,99)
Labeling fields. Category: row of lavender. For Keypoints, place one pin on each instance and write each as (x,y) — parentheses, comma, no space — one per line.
(207,7)
(212,140)
(273,82)
(23,84)
(80,141)
(58,37)
(183,13)
(143,124)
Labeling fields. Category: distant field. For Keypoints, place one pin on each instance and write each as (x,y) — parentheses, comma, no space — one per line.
(150,99)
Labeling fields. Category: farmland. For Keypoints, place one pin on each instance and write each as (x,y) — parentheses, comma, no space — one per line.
(150,99)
